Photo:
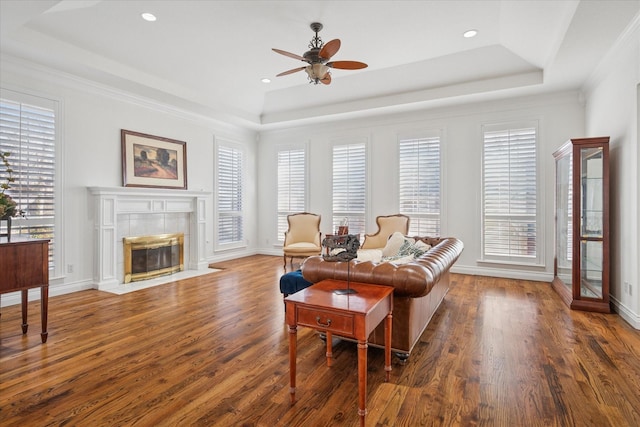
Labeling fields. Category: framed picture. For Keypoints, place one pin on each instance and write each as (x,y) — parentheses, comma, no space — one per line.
(153,161)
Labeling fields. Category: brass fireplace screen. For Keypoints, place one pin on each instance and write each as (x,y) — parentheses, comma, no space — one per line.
(146,257)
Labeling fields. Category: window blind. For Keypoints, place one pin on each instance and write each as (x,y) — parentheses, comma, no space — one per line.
(229,197)
(419,180)
(28,132)
(349,186)
(510,193)
(291,186)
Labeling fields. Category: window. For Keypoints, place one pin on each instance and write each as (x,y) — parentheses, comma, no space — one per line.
(230,162)
(291,186)
(419,179)
(28,132)
(349,186)
(510,224)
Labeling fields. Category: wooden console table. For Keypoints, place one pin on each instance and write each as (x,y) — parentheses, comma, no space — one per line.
(351,316)
(24,264)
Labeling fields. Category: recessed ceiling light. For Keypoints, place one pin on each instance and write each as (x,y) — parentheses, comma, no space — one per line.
(470,33)
(148,16)
(266,80)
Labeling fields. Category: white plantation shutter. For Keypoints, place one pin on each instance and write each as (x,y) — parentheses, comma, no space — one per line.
(28,132)
(349,186)
(510,194)
(291,186)
(419,179)
(229,195)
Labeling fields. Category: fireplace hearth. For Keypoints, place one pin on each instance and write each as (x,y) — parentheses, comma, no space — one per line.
(146,257)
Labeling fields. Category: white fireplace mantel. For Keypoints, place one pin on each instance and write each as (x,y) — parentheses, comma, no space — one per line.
(109,202)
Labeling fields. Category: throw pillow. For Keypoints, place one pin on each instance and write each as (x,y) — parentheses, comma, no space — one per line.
(416,249)
(393,244)
(373,255)
(402,260)
(422,245)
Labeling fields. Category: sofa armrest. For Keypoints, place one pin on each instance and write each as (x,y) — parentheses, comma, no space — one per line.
(414,279)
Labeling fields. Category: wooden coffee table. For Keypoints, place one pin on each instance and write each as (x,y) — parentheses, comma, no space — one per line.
(352,316)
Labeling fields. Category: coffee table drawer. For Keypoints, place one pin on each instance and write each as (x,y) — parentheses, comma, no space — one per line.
(331,321)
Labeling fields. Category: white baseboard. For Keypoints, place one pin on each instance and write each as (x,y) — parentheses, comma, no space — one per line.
(231,254)
(14,298)
(538,276)
(627,314)
(274,252)
(65,288)
(504,273)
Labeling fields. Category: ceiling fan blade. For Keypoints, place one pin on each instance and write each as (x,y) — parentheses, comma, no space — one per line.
(346,65)
(289,54)
(295,70)
(330,49)
(326,80)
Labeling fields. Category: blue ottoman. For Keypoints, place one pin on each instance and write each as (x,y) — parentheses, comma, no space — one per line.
(293,282)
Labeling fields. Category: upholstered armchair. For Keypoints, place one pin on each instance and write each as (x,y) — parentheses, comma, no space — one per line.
(387,225)
(303,238)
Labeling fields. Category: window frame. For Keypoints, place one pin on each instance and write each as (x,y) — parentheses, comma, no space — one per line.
(236,244)
(510,259)
(305,205)
(336,218)
(427,134)
(57,244)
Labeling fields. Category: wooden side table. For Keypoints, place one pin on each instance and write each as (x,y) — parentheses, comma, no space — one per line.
(24,264)
(351,316)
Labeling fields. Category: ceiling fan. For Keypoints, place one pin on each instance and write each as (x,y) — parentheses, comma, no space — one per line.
(318,57)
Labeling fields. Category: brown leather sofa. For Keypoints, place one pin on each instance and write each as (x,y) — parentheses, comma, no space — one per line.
(419,287)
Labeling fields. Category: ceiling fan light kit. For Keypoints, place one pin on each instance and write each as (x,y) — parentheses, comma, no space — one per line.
(318,56)
(316,71)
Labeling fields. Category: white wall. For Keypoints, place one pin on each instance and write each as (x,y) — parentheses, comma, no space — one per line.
(612,110)
(92,117)
(560,116)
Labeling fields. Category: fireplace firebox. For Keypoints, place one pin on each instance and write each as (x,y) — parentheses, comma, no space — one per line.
(146,257)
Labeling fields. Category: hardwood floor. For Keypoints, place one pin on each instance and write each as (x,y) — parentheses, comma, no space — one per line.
(213,350)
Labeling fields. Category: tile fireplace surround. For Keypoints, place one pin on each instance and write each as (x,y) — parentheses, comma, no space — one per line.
(130,211)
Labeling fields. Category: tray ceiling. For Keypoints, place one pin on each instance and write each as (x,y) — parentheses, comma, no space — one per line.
(210,56)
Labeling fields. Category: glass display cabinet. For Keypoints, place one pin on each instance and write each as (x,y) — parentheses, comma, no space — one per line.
(581,262)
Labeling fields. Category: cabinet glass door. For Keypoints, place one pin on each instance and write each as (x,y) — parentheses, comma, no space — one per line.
(591,269)
(564,227)
(591,164)
(591,224)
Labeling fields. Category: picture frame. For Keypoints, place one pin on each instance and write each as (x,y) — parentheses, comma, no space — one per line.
(153,161)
